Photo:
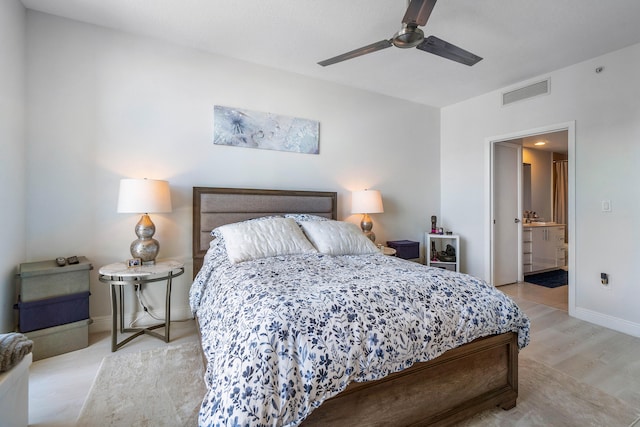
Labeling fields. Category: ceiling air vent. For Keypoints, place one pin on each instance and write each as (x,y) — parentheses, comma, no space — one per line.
(530,91)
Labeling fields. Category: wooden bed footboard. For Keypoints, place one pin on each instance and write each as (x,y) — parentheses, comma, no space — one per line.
(462,382)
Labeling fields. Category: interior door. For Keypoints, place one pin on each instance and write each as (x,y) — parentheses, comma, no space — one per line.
(507,237)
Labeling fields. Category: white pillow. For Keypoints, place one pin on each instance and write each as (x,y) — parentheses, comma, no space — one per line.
(261,239)
(338,238)
(305,217)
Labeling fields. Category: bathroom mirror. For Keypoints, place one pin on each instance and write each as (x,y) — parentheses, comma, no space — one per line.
(526,187)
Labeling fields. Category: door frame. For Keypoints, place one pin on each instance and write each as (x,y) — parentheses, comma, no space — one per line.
(570,127)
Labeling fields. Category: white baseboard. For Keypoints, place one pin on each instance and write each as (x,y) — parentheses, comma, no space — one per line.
(615,323)
(103,323)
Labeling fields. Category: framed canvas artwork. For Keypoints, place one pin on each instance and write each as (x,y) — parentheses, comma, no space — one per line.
(267,131)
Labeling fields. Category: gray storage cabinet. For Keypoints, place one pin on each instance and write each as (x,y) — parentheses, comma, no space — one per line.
(55,300)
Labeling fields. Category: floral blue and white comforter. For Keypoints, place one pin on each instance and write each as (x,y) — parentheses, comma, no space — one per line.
(283,334)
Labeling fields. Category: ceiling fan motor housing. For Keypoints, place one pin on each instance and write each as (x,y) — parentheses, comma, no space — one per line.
(409,36)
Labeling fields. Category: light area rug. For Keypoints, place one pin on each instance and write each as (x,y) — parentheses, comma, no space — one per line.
(159,387)
(164,387)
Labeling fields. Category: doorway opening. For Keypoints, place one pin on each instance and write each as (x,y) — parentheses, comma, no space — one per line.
(538,188)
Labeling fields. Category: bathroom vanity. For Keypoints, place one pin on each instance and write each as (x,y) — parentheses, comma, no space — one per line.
(543,246)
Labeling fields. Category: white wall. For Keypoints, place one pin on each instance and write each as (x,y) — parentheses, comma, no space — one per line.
(12,153)
(606,109)
(105,105)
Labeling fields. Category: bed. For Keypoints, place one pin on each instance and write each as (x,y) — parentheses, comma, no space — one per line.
(349,314)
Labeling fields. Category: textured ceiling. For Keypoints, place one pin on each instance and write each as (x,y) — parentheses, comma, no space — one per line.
(518,39)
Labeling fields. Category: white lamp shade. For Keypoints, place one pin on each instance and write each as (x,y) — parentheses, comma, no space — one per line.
(144,196)
(366,202)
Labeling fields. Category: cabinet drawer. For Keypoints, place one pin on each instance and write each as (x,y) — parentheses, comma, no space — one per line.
(558,234)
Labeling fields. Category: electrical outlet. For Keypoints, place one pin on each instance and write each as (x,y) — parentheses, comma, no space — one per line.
(604,279)
(606,206)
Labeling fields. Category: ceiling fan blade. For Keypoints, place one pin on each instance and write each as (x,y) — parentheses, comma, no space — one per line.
(446,50)
(382,44)
(418,12)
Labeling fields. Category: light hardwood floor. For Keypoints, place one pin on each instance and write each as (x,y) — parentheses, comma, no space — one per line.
(594,355)
(598,356)
(553,297)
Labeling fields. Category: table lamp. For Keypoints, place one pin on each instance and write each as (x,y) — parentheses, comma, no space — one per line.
(144,196)
(366,202)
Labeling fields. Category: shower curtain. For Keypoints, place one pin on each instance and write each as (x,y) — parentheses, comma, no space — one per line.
(560,177)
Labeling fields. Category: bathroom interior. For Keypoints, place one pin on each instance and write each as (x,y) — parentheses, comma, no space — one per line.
(544,201)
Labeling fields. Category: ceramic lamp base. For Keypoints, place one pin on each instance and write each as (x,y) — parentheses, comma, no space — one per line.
(367,225)
(145,247)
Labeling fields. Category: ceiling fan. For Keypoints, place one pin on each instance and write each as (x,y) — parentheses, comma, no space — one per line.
(410,35)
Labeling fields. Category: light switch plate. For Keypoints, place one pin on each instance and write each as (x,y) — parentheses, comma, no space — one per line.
(606,206)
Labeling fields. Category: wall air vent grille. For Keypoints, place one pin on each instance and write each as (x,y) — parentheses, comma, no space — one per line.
(529,91)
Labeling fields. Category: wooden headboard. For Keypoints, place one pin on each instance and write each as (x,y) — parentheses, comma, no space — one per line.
(213,207)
